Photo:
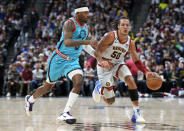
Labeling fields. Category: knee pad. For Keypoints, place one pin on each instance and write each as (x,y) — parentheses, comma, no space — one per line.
(107,93)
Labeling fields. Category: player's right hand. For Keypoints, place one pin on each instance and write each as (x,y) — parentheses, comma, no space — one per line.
(151,74)
(94,43)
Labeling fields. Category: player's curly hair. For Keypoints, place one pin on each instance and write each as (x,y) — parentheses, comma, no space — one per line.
(116,22)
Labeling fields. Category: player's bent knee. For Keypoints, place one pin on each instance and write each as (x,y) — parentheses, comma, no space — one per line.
(111,100)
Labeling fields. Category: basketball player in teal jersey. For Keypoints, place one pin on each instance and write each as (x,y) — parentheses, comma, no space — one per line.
(65,60)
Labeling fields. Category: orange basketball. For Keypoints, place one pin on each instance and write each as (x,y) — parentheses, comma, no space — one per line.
(154,82)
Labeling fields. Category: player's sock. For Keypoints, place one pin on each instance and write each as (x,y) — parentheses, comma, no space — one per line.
(135,107)
(71,100)
(31,99)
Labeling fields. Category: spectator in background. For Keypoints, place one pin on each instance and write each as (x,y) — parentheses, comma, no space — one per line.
(19,66)
(26,79)
(37,77)
(33,19)
(25,48)
(92,62)
(3,52)
(89,79)
(180,74)
(61,87)
(13,85)
(173,76)
(167,73)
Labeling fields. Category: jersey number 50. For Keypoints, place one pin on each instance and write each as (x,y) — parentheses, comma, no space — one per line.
(115,55)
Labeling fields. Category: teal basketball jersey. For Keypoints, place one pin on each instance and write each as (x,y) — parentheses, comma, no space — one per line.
(80,33)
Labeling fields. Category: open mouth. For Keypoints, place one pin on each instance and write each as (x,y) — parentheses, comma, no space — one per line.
(125,31)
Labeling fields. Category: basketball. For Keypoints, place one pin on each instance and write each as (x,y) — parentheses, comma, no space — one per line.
(154,82)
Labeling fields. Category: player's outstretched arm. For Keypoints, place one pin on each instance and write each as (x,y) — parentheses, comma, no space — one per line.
(68,36)
(89,50)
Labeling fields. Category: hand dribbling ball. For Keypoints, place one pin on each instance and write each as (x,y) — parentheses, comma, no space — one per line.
(154,82)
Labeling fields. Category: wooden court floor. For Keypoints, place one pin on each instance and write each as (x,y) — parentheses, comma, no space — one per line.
(161,114)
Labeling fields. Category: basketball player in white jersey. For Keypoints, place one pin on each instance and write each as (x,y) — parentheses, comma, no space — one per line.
(110,56)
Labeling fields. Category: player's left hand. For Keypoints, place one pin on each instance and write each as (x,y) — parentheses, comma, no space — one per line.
(94,43)
(106,64)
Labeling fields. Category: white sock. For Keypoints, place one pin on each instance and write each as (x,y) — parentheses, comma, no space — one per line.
(31,99)
(71,100)
(135,107)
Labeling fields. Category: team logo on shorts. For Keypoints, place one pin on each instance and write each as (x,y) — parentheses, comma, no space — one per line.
(107,84)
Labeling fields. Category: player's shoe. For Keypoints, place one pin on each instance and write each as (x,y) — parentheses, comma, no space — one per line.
(28,105)
(96,92)
(67,117)
(136,117)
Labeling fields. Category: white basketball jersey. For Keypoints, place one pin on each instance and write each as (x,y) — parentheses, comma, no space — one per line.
(117,50)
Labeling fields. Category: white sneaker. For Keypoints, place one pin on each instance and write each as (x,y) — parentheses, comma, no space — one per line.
(96,92)
(67,117)
(28,106)
(136,117)
(139,126)
(8,94)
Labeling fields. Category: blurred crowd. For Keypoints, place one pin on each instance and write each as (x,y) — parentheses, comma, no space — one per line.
(11,13)
(160,43)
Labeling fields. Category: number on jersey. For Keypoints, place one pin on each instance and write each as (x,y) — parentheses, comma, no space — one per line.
(115,55)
